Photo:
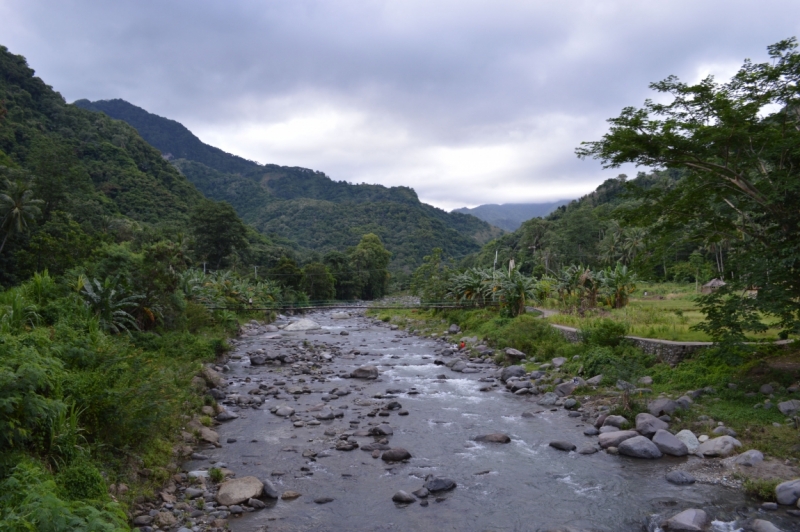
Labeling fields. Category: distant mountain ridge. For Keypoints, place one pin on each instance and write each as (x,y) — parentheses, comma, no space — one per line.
(509,216)
(306,206)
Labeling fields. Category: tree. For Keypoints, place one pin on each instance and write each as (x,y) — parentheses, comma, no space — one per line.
(371,260)
(18,208)
(287,273)
(430,281)
(741,183)
(218,231)
(344,275)
(318,282)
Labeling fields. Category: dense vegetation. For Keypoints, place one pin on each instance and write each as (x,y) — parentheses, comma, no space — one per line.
(305,206)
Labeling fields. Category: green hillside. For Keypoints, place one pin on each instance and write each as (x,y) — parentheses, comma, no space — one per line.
(306,206)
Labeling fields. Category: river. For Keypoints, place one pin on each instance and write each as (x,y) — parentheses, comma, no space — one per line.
(524,485)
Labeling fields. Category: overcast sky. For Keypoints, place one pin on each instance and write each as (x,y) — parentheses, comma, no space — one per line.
(468,102)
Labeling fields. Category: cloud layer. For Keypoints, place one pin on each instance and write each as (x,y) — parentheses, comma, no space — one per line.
(469,102)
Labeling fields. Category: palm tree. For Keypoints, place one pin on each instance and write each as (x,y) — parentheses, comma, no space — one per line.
(17,208)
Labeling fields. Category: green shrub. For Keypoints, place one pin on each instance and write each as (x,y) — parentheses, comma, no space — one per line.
(605,332)
(216,475)
(762,488)
(82,480)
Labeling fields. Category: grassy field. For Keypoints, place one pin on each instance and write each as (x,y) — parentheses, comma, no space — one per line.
(667,311)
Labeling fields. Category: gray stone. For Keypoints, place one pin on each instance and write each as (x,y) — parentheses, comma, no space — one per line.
(692,520)
(625,386)
(401,497)
(440,484)
(591,431)
(614,439)
(646,381)
(648,424)
(663,406)
(787,493)
(459,366)
(609,428)
(381,430)
(493,438)
(284,411)
(559,361)
(421,493)
(594,381)
(760,525)
(789,408)
(669,444)
(143,520)
(304,324)
(340,315)
(681,478)
(562,445)
(454,329)
(395,455)
(766,389)
(255,503)
(566,388)
(514,354)
(684,401)
(270,491)
(722,446)
(365,372)
(512,371)
(749,458)
(724,431)
(548,399)
(615,421)
(570,403)
(324,500)
(689,439)
(639,447)
(226,416)
(239,490)
(587,449)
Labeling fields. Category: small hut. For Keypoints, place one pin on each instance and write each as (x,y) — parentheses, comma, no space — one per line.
(712,285)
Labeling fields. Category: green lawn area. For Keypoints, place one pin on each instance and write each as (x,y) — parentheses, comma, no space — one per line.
(668,312)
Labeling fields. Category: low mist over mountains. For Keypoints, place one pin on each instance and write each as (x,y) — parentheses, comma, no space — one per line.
(303,205)
(509,216)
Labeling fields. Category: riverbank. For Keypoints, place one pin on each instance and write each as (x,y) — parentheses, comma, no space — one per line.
(304,423)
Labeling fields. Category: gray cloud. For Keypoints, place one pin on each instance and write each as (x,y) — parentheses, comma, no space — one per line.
(468,102)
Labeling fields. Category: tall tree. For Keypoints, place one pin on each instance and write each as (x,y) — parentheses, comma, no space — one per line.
(218,231)
(18,208)
(371,260)
(739,143)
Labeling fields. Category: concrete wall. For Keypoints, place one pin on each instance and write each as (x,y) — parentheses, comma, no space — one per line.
(667,351)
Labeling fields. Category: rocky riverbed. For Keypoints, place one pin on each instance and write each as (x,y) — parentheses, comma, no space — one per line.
(338,422)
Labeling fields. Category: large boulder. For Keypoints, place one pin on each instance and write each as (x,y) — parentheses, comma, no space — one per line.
(681,478)
(512,371)
(692,520)
(365,372)
(395,455)
(212,377)
(614,439)
(669,444)
(304,324)
(788,492)
(615,421)
(648,424)
(749,458)
(689,439)
(548,399)
(639,447)
(662,406)
(440,484)
(722,446)
(760,525)
(789,408)
(239,490)
(514,354)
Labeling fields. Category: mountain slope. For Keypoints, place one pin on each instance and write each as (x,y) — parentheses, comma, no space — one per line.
(307,206)
(509,216)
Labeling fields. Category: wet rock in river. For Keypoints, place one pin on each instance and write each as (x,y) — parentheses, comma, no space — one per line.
(496,437)
(562,445)
(437,484)
(614,439)
(365,372)
(512,371)
(290,495)
(548,399)
(401,497)
(395,455)
(760,525)
(692,520)
(304,324)
(680,478)
(381,430)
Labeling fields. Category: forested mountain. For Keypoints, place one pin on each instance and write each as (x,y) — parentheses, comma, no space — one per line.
(509,216)
(306,206)
(588,231)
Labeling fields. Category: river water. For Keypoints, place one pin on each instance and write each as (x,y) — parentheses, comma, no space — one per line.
(521,486)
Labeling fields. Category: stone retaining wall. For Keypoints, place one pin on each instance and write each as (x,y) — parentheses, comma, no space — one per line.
(666,350)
